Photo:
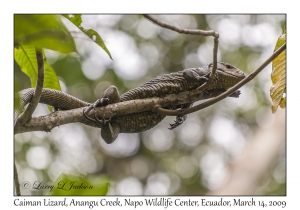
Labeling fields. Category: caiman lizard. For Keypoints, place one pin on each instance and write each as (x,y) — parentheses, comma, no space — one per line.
(189,79)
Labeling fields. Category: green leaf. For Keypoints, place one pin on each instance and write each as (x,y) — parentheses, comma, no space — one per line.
(92,34)
(75,19)
(71,185)
(50,78)
(43,31)
(16,96)
(278,76)
(25,56)
(284,29)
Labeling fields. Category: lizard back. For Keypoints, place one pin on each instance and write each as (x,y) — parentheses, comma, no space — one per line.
(162,85)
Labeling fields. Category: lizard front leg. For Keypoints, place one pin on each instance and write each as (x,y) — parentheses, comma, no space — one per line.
(109,130)
(180,119)
(191,75)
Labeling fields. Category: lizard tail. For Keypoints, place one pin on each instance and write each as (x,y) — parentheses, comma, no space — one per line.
(55,98)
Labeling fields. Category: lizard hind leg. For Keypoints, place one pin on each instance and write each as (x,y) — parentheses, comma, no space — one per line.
(110,132)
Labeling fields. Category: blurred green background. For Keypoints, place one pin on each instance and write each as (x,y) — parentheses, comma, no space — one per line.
(190,160)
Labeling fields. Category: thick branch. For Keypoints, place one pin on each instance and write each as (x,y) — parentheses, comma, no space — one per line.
(48,122)
(182,112)
(26,115)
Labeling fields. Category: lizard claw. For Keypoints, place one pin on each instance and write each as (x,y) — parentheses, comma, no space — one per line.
(86,116)
(104,120)
(99,102)
(178,122)
(174,125)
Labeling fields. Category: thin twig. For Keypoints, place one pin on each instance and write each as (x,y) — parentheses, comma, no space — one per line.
(26,115)
(194,32)
(182,112)
(16,178)
(182,31)
(215,58)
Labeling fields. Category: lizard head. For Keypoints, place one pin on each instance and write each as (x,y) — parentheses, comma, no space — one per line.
(226,75)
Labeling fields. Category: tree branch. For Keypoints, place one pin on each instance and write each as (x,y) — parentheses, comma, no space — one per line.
(182,31)
(26,115)
(48,122)
(160,110)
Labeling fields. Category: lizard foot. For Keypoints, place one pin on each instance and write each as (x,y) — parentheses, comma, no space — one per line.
(178,122)
(110,95)
(99,102)
(104,120)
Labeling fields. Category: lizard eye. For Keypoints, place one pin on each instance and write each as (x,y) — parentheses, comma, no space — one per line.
(228,66)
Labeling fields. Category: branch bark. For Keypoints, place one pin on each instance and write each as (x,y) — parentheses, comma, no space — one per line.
(48,122)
